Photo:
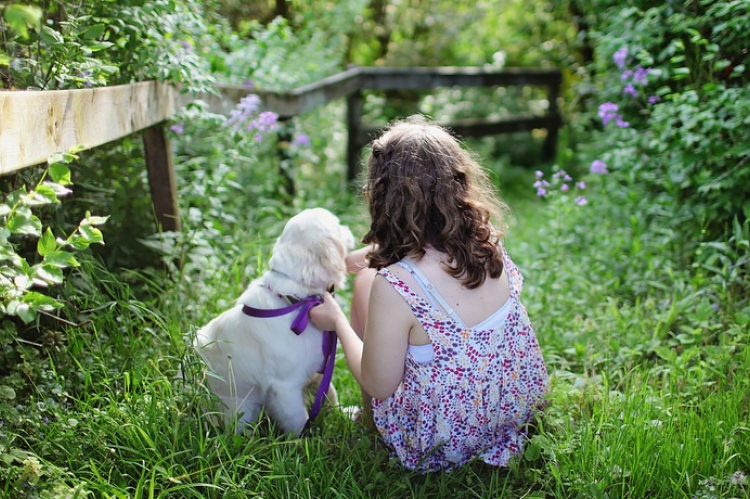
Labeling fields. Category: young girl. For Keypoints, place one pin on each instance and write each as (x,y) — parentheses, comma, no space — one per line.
(441,343)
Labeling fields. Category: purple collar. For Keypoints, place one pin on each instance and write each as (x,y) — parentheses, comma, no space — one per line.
(299,324)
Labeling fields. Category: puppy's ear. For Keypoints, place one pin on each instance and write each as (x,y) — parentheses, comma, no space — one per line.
(333,253)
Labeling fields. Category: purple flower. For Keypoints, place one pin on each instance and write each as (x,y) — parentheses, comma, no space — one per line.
(640,77)
(186,45)
(630,90)
(608,112)
(541,192)
(244,111)
(538,174)
(581,184)
(301,140)
(267,120)
(599,166)
(178,128)
(620,57)
(580,201)
(564,187)
(541,183)
(625,76)
(654,99)
(563,175)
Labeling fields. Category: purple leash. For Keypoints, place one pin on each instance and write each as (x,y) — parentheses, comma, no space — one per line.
(299,324)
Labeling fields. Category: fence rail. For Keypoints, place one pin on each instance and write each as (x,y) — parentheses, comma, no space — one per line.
(37,124)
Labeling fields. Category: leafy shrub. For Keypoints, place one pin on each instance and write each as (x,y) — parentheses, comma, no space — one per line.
(56,45)
(54,254)
(673,110)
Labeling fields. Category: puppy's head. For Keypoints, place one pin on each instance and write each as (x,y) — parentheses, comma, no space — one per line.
(311,250)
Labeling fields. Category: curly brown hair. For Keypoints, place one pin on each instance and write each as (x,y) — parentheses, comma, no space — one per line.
(424,189)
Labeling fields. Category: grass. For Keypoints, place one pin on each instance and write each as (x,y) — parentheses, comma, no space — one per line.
(649,390)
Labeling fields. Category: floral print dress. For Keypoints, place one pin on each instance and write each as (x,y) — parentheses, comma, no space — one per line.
(474,397)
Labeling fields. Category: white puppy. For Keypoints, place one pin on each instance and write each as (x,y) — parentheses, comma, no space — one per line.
(259,362)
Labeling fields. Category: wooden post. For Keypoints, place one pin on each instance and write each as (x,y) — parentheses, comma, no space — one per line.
(283,141)
(354,124)
(549,148)
(161,177)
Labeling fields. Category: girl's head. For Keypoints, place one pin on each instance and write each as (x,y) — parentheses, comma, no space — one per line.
(424,190)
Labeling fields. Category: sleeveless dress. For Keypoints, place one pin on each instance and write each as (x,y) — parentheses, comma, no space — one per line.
(474,397)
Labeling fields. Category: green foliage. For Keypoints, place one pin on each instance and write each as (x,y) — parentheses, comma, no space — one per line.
(56,45)
(17,276)
(279,57)
(684,157)
(427,33)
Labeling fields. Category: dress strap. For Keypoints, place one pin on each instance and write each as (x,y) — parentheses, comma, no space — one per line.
(515,280)
(430,291)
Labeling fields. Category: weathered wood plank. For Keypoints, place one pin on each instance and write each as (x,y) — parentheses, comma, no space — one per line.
(354,144)
(37,124)
(291,103)
(302,99)
(395,78)
(479,127)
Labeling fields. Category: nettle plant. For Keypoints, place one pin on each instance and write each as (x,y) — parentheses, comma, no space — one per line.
(20,280)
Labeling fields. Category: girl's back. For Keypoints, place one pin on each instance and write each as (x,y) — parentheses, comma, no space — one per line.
(485,376)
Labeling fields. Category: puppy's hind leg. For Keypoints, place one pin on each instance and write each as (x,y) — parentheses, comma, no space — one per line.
(286,405)
(248,412)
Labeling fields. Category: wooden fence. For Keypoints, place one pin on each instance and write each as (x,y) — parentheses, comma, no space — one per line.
(36,124)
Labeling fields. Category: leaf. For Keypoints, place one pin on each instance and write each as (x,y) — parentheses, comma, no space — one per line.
(48,193)
(94,220)
(60,173)
(49,273)
(50,36)
(533,451)
(62,157)
(91,234)
(7,392)
(19,17)
(40,301)
(108,69)
(78,242)
(61,259)
(4,59)
(58,190)
(46,243)
(94,31)
(98,46)
(34,198)
(25,312)
(21,224)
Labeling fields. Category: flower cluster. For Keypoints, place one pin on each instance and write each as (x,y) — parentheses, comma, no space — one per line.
(599,166)
(609,111)
(247,116)
(301,140)
(561,182)
(632,78)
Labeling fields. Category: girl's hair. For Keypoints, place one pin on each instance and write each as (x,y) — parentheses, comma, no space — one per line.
(424,190)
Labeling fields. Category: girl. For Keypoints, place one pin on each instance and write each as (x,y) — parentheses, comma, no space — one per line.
(439,341)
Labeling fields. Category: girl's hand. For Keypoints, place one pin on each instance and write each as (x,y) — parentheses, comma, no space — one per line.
(328,315)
